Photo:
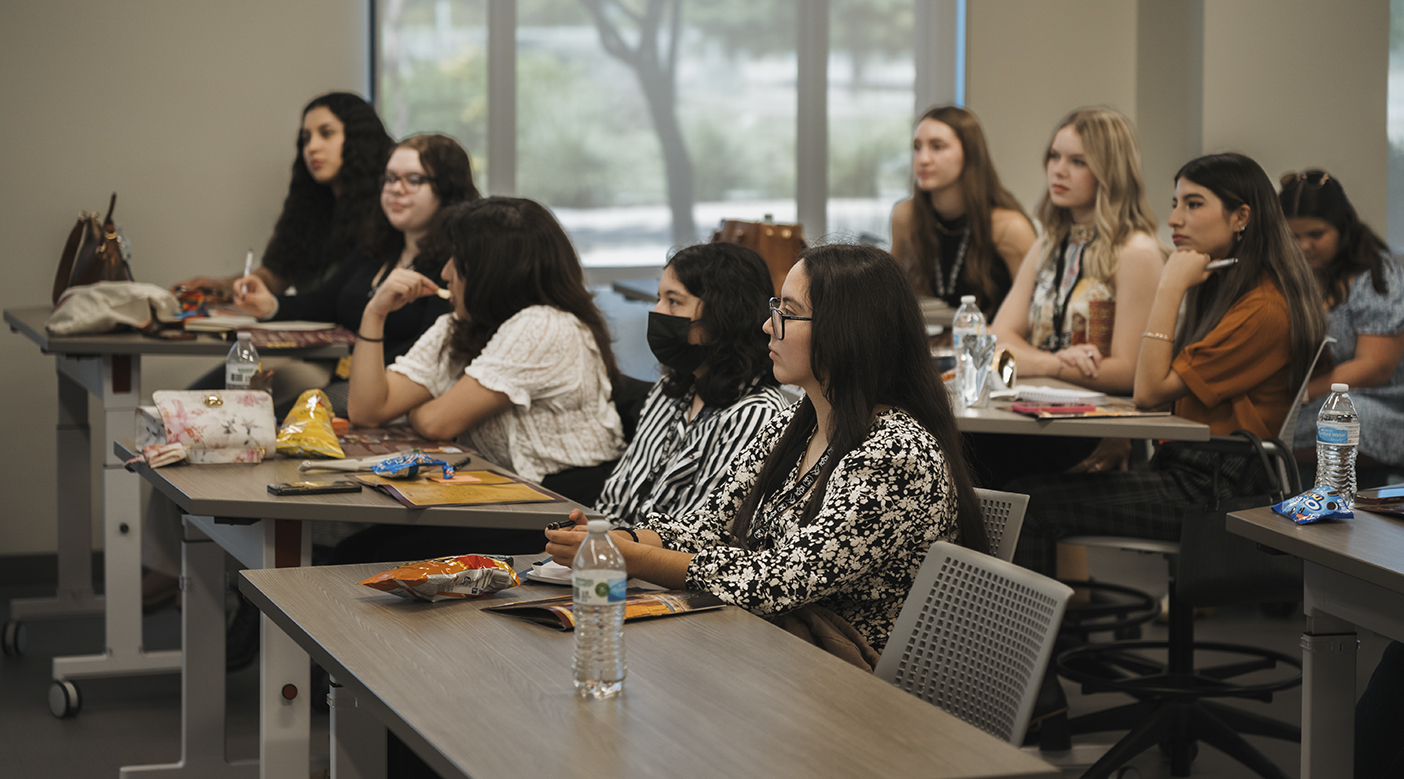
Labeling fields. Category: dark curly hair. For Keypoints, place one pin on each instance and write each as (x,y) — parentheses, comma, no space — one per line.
(1318,195)
(735,289)
(514,254)
(318,229)
(450,177)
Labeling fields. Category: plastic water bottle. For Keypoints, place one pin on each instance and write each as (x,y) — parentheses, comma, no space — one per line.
(599,578)
(968,321)
(241,364)
(1337,435)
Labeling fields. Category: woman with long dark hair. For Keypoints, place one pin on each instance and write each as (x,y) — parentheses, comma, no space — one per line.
(332,198)
(425,174)
(717,390)
(837,501)
(1233,361)
(1362,285)
(961,232)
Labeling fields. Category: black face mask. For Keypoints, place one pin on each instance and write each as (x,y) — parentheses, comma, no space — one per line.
(667,338)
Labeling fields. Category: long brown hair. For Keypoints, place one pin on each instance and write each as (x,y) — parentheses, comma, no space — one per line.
(869,347)
(1264,247)
(450,177)
(1317,194)
(1121,208)
(983,193)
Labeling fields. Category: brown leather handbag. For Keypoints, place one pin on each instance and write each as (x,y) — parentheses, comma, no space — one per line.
(93,253)
(778,244)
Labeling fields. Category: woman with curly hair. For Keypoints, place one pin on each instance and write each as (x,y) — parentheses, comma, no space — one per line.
(334,194)
(425,174)
(717,390)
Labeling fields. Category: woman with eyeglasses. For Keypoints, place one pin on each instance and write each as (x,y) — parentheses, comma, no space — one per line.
(334,194)
(1362,287)
(1233,361)
(425,174)
(833,507)
(961,232)
(717,391)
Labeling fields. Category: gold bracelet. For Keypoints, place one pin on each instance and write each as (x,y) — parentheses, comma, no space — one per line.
(1158,336)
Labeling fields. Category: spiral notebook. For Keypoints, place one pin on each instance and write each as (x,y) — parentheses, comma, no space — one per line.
(1038,394)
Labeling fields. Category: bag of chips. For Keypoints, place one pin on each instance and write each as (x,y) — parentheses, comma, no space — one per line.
(1314,505)
(407,466)
(307,429)
(444,578)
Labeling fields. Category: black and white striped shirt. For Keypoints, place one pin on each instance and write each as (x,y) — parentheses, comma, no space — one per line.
(673,463)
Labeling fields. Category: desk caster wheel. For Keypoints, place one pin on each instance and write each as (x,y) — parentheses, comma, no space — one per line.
(13,638)
(64,700)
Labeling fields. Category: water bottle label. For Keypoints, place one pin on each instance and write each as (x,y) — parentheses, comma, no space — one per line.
(1336,433)
(238,376)
(599,588)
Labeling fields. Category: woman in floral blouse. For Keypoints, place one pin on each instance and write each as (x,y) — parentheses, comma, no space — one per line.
(837,501)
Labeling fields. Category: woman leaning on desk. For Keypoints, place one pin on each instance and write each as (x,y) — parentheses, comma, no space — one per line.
(961,232)
(1233,361)
(839,498)
(334,194)
(1362,288)
(425,174)
(1079,304)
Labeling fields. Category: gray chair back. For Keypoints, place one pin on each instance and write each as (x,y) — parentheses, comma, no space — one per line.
(974,638)
(1289,425)
(1004,518)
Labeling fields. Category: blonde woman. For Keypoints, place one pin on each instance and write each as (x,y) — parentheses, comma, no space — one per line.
(1079,303)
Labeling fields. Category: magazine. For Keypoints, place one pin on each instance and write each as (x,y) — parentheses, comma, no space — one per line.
(558,612)
(1112,407)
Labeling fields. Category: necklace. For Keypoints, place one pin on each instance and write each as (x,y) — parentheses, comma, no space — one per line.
(943,287)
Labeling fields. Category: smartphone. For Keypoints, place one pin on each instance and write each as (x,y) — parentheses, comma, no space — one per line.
(313,487)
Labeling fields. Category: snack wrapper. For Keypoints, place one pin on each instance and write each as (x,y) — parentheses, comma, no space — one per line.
(407,466)
(1314,505)
(447,578)
(307,429)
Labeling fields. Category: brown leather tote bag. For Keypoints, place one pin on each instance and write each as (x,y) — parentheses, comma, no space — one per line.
(93,253)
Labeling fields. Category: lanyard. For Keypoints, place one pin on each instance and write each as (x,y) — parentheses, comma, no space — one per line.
(942,287)
(1060,307)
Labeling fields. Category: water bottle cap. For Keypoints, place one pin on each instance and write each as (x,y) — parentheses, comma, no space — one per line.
(598,526)
(967,298)
(244,335)
(1339,387)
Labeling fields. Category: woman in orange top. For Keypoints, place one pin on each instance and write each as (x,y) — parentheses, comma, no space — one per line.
(1234,363)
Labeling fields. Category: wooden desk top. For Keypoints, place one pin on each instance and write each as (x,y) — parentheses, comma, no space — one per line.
(240,491)
(999,419)
(1369,547)
(717,694)
(29,322)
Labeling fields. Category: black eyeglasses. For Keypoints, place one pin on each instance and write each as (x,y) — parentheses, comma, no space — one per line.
(778,317)
(412,181)
(1315,179)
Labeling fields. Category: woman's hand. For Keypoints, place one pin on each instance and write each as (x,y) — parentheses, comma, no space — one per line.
(399,289)
(564,543)
(1185,269)
(1111,454)
(252,297)
(1084,357)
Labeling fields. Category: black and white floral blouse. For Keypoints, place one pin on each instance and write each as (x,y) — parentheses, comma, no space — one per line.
(887,502)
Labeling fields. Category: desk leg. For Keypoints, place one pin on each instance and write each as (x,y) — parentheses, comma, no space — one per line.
(75,596)
(284,722)
(202,699)
(1328,697)
(116,380)
(357,739)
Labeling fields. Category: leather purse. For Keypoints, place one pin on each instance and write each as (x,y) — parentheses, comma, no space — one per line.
(778,244)
(94,253)
(215,426)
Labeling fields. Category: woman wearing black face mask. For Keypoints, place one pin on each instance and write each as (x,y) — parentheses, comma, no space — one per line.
(717,389)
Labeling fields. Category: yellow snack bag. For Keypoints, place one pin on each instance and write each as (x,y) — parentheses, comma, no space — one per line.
(307,429)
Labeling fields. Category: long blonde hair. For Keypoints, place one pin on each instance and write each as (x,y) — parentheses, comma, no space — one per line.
(1121,208)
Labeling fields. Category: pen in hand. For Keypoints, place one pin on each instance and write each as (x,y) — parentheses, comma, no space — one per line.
(561,525)
(248,268)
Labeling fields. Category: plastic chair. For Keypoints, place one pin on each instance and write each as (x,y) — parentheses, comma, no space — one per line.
(974,638)
(1004,518)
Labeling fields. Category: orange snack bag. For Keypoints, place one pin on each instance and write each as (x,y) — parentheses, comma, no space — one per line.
(444,578)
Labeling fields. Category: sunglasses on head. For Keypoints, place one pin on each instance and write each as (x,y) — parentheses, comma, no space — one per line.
(1315,179)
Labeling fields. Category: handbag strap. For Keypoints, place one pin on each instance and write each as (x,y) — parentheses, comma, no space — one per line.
(70,250)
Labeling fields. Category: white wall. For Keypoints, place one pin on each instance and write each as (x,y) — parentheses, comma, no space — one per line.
(190,112)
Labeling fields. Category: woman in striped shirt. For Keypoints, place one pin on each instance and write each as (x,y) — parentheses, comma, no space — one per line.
(717,390)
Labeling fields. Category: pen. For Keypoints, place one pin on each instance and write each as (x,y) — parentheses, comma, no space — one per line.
(563,524)
(248,268)
(1216,264)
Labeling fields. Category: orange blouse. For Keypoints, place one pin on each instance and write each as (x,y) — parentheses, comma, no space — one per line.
(1239,375)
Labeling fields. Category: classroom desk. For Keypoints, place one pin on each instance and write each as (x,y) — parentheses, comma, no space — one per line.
(228,507)
(999,419)
(720,693)
(109,368)
(1353,572)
